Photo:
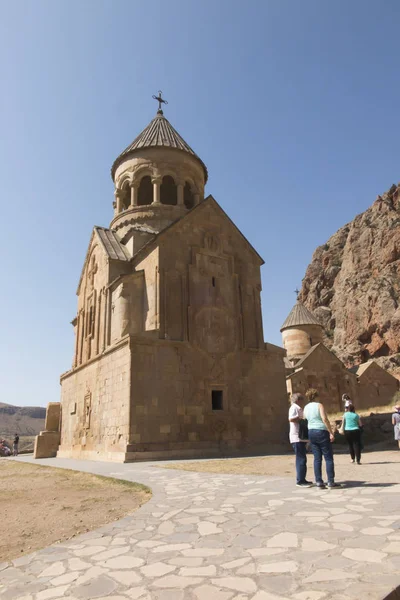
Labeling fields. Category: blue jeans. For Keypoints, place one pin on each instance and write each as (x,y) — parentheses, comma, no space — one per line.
(301,461)
(321,446)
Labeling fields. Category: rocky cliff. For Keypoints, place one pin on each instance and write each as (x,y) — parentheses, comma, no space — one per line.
(352,285)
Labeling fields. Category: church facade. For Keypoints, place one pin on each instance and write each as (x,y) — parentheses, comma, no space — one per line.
(169,358)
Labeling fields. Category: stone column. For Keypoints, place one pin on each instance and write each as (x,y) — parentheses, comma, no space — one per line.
(118,198)
(98,326)
(156,181)
(196,199)
(134,194)
(77,333)
(81,335)
(180,193)
(105,308)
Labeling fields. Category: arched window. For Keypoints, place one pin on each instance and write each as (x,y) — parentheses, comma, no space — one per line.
(126,196)
(168,191)
(145,191)
(188,196)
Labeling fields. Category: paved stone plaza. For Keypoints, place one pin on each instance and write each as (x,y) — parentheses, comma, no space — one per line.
(222,537)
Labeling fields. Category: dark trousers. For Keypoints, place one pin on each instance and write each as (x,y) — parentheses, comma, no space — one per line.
(353,437)
(301,461)
(321,447)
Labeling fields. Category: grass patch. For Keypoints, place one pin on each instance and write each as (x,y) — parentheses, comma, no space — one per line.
(43,505)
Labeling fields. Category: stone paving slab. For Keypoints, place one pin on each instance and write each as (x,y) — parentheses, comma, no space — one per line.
(222,537)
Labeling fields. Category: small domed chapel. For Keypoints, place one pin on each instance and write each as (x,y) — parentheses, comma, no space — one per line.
(170,359)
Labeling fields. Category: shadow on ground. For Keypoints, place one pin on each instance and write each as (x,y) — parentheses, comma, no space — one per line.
(366,484)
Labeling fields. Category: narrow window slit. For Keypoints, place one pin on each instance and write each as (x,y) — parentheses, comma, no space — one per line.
(217,399)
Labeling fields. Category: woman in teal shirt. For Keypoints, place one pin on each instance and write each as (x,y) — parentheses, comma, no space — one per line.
(352,433)
(321,437)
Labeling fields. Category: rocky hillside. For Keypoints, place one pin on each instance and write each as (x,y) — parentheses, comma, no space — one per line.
(353,286)
(26,420)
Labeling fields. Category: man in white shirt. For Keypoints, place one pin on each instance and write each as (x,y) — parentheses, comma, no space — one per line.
(299,445)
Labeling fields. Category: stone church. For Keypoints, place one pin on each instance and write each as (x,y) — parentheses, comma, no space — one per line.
(310,364)
(170,358)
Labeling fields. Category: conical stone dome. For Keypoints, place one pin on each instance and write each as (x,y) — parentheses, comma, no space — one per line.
(300,331)
(157,179)
(300,315)
(159,133)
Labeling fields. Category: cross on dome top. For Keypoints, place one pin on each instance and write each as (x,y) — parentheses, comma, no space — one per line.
(160,101)
(158,133)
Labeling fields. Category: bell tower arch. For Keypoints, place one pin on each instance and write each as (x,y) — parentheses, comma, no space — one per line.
(158,178)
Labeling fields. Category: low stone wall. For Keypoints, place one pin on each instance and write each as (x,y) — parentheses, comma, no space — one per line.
(378,428)
(46,444)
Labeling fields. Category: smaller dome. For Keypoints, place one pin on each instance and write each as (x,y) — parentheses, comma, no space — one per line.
(159,133)
(300,315)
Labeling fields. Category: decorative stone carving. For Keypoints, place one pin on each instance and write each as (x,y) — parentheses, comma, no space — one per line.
(87,409)
(215,331)
(218,426)
(92,272)
(217,371)
(212,242)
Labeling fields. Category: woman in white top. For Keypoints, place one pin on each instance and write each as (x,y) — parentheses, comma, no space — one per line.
(298,444)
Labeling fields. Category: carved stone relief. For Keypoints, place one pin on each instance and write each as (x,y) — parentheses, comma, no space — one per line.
(92,273)
(212,241)
(87,407)
(215,331)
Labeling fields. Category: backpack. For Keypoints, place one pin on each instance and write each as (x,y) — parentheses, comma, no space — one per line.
(303,429)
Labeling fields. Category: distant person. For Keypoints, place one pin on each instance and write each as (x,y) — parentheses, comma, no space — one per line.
(296,439)
(352,432)
(15,445)
(321,437)
(396,424)
(347,401)
(4,449)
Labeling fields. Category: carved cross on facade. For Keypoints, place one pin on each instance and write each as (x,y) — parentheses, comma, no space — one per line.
(92,272)
(160,101)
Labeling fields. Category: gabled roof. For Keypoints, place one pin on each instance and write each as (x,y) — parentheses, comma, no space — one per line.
(188,215)
(318,347)
(158,133)
(363,367)
(311,350)
(300,315)
(370,363)
(111,246)
(288,364)
(360,369)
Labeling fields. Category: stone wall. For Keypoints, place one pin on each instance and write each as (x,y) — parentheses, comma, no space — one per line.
(378,429)
(376,387)
(149,264)
(96,406)
(172,413)
(323,371)
(47,442)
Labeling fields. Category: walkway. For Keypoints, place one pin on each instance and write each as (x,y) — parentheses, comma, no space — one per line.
(222,537)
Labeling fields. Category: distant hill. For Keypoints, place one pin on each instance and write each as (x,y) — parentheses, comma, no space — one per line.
(24,420)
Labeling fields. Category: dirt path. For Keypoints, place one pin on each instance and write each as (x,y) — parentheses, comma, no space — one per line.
(377,467)
(40,505)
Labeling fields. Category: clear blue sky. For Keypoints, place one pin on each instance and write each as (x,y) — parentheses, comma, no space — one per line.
(293,105)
